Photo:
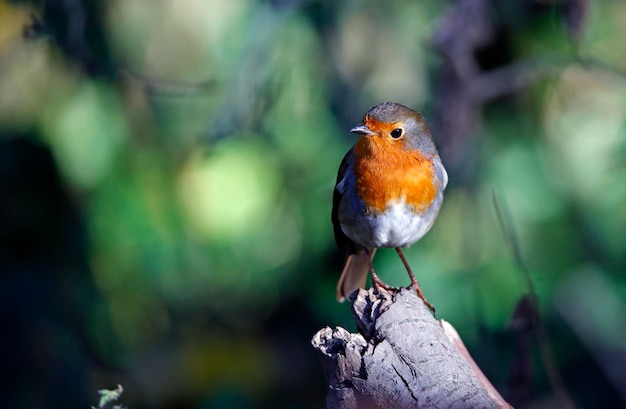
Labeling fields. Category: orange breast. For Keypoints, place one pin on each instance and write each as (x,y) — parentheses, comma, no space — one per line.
(385,171)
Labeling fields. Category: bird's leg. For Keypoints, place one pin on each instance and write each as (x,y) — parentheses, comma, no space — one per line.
(414,283)
(376,281)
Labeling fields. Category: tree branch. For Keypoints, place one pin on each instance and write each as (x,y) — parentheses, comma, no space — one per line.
(402,357)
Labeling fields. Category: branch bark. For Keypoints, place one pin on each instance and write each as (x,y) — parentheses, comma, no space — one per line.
(402,357)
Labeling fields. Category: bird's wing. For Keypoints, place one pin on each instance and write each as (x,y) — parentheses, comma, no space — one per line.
(441,173)
(340,238)
(356,266)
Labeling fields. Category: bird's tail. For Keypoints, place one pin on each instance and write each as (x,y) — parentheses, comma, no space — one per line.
(354,273)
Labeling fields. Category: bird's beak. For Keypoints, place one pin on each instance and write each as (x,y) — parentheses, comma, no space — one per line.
(362,129)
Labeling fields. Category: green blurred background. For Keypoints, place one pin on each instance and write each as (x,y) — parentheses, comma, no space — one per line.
(166,173)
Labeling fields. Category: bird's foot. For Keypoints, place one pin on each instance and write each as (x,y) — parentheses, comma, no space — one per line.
(418,289)
(414,283)
(377,283)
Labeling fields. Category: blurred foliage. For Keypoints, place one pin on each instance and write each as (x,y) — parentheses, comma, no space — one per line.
(108,398)
(166,169)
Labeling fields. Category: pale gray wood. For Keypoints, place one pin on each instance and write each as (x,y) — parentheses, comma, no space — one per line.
(402,358)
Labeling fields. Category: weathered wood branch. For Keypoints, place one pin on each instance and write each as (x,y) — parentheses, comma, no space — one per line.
(402,357)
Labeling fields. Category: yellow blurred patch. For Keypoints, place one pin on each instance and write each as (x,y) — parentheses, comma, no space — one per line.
(13,18)
(230,192)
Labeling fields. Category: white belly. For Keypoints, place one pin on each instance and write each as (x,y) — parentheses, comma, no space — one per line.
(398,226)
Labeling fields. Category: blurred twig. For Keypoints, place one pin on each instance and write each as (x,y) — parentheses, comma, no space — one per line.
(515,76)
(545,349)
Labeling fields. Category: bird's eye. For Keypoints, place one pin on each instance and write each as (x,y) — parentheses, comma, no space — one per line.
(396,133)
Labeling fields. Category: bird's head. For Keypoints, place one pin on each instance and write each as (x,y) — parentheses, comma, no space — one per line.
(394,125)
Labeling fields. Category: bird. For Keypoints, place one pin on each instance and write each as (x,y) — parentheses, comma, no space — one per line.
(388,193)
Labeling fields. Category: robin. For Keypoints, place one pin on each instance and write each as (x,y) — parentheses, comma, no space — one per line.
(389,191)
